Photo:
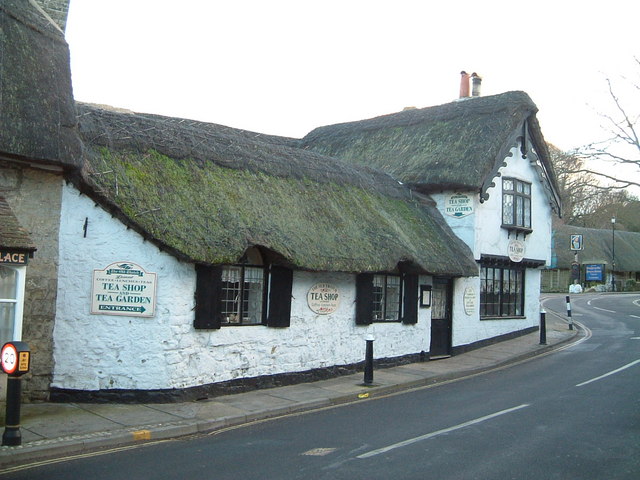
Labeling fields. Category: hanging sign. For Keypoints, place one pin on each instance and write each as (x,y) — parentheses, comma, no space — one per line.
(576,243)
(458,205)
(323,298)
(516,250)
(123,288)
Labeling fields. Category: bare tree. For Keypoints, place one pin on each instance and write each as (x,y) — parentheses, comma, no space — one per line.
(622,148)
(585,201)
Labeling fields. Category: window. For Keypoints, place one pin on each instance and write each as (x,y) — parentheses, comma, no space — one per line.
(234,295)
(8,303)
(516,204)
(501,291)
(242,295)
(386,298)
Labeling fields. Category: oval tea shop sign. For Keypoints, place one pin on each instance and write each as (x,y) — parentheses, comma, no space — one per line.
(458,205)
(323,298)
(516,250)
(123,288)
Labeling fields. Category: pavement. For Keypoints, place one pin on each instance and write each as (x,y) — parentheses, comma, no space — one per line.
(53,430)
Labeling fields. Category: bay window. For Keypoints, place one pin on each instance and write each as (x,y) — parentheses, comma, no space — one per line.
(516,204)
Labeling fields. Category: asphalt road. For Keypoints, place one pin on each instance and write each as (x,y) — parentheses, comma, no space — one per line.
(572,414)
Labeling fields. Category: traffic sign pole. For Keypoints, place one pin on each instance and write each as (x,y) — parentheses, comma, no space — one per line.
(12,436)
(15,360)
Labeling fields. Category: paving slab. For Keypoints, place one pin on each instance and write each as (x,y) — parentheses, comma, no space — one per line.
(129,415)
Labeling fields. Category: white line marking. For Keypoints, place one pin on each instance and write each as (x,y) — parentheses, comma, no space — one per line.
(628,365)
(604,310)
(410,441)
(634,316)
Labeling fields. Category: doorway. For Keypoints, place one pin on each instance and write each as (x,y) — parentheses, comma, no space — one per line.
(441,318)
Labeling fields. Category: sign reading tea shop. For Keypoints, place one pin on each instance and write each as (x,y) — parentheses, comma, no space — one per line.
(123,288)
(516,250)
(323,298)
(458,205)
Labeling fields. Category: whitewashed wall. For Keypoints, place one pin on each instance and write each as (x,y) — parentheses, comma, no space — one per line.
(482,232)
(93,352)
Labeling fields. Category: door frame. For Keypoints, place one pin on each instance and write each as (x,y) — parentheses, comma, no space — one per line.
(443,336)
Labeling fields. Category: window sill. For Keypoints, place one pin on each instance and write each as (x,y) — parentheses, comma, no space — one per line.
(516,229)
(512,317)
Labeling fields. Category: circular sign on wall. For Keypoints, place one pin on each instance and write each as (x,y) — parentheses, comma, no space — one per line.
(516,250)
(323,298)
(470,300)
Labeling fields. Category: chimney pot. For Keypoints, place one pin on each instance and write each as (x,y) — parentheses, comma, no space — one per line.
(464,84)
(477,83)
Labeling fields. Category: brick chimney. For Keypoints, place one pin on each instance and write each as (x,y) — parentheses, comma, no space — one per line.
(464,84)
(476,81)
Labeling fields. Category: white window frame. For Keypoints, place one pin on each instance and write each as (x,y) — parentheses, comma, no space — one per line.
(18,302)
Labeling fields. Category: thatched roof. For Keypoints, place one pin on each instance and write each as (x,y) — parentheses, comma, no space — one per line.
(206,193)
(458,145)
(37,120)
(598,247)
(12,235)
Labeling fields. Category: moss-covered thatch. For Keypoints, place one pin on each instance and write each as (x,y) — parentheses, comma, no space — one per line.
(207,193)
(37,111)
(598,247)
(458,145)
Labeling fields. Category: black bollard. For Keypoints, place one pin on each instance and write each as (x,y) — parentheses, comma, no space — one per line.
(543,327)
(12,436)
(368,363)
(569,313)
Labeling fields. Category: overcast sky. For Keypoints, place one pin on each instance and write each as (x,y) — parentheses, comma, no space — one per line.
(286,67)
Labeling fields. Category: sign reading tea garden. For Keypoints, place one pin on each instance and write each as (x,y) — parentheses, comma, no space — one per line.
(123,288)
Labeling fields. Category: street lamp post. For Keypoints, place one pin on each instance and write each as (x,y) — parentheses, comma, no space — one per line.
(613,253)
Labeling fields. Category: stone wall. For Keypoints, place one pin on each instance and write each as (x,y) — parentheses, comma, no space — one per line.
(35,198)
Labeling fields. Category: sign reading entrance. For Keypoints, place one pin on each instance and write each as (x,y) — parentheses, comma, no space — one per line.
(458,205)
(123,288)
(323,298)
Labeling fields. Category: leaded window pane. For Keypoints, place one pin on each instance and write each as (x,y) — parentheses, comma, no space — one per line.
(393,298)
(378,297)
(507,184)
(242,295)
(507,209)
(386,298)
(519,211)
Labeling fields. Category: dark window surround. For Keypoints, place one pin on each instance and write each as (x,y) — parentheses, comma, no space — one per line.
(276,301)
(502,290)
(518,216)
(366,298)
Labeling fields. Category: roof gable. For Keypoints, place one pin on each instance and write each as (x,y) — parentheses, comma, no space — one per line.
(458,145)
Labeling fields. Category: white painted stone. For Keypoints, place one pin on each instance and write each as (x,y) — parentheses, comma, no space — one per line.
(117,352)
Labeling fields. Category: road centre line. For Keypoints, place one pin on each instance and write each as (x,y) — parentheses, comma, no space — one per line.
(604,310)
(410,441)
(612,372)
